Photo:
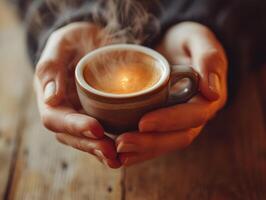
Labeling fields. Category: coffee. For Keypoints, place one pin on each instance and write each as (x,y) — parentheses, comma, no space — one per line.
(124,73)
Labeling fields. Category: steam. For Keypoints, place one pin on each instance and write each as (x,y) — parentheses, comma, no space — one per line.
(129,22)
(121,21)
(125,21)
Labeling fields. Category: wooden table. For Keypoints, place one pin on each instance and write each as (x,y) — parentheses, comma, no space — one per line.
(228,160)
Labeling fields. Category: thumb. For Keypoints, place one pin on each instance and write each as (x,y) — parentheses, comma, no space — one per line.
(209,58)
(210,70)
(52,80)
(51,69)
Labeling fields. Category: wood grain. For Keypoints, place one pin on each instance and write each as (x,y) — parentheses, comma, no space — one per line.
(15,76)
(48,170)
(44,168)
(226,162)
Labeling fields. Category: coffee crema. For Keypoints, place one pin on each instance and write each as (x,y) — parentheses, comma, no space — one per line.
(123,76)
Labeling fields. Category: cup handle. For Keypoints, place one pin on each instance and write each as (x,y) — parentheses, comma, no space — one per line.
(178,73)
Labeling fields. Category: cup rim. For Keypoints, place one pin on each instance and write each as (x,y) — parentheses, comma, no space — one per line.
(133,47)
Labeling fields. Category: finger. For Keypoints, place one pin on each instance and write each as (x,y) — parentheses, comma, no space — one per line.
(104,149)
(64,119)
(209,58)
(155,143)
(128,159)
(179,117)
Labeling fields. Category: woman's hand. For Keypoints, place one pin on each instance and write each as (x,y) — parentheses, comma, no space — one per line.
(58,102)
(176,127)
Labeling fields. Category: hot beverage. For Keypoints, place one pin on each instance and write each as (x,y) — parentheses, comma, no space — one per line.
(124,75)
(120,83)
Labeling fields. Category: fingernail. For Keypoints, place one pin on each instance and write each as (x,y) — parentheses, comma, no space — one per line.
(89,134)
(49,90)
(99,154)
(101,157)
(122,148)
(214,83)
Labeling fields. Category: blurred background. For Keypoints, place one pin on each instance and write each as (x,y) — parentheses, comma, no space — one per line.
(32,163)
(228,161)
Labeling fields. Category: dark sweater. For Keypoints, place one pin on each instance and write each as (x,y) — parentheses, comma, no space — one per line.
(240,25)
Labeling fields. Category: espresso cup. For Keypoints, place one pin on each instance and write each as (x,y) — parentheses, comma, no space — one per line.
(121,112)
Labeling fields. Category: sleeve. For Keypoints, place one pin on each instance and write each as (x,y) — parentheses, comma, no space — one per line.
(126,21)
(42,17)
(239,25)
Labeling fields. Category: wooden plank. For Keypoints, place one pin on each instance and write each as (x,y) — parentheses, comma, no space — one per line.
(44,169)
(15,79)
(48,170)
(226,162)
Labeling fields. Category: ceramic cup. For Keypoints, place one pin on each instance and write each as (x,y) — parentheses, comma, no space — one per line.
(120,113)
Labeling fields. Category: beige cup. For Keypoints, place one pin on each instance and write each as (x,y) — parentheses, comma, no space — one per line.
(119,113)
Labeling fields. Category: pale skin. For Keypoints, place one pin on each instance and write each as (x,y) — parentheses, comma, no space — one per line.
(186,43)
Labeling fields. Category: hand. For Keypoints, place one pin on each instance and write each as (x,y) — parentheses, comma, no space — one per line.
(57,98)
(176,127)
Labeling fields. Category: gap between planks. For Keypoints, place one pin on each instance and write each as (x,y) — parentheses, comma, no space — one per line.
(18,139)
